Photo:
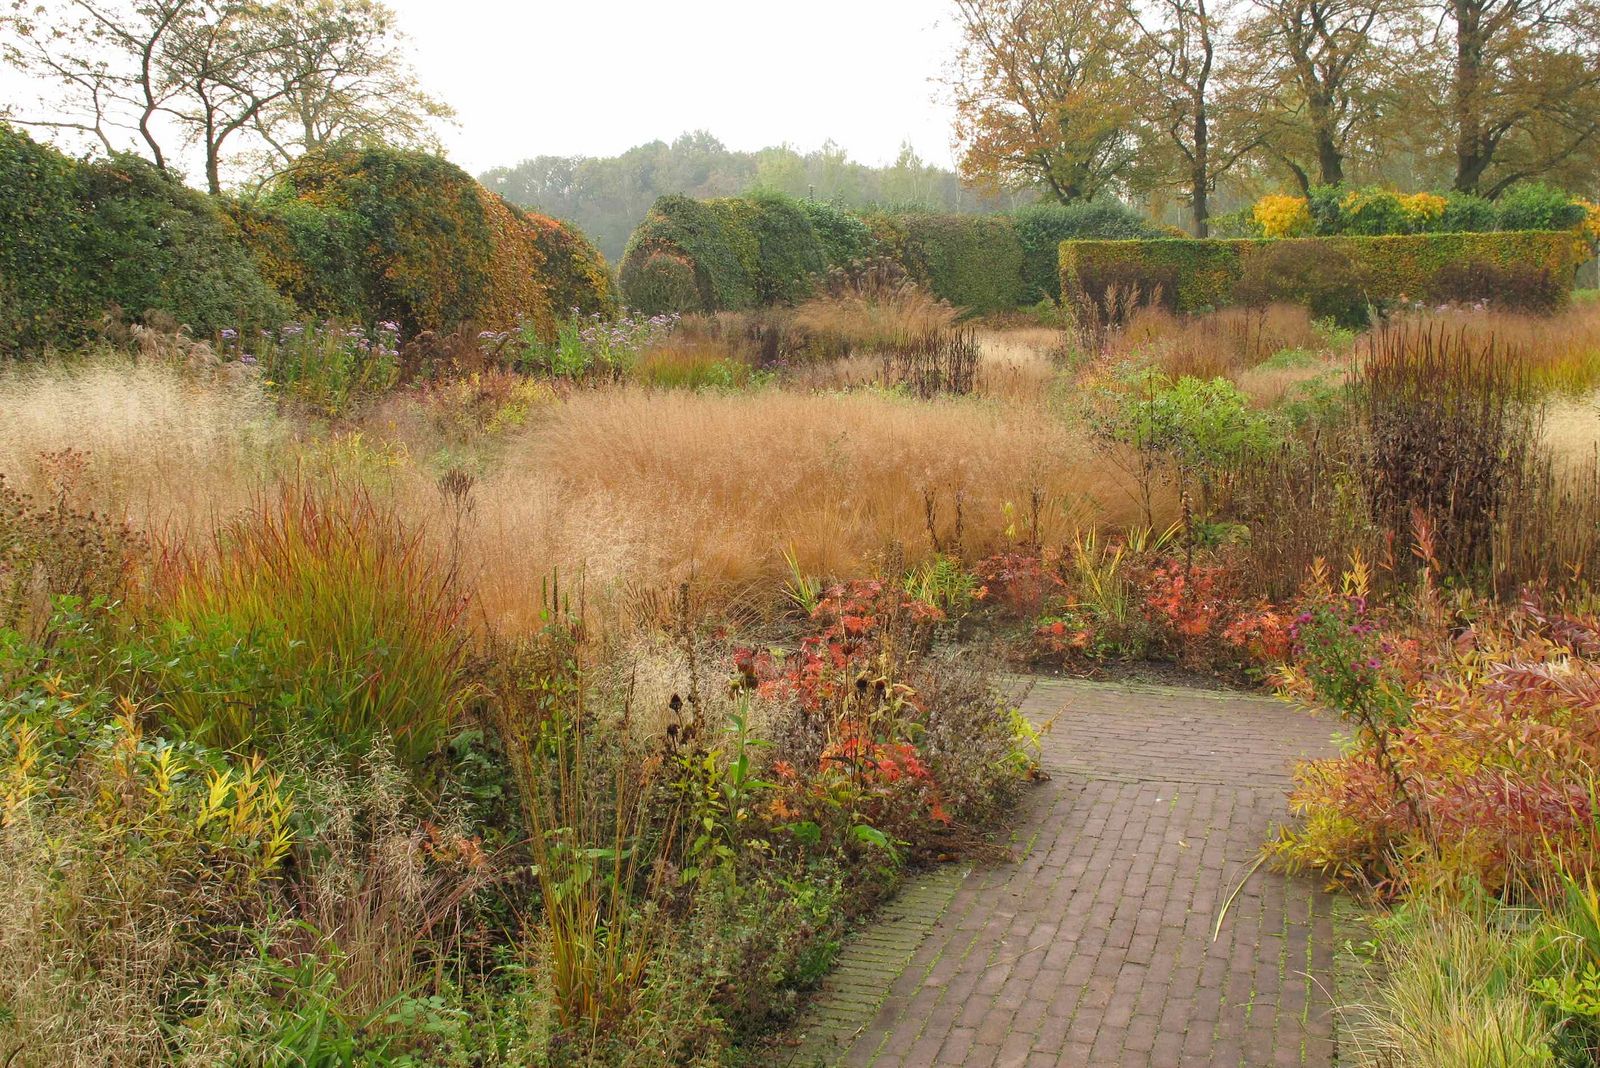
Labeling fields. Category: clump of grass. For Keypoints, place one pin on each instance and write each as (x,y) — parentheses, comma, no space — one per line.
(1454,994)
(1450,430)
(1551,353)
(693,363)
(166,449)
(316,612)
(873,309)
(1223,343)
(839,477)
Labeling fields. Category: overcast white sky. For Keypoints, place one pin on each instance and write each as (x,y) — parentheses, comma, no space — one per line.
(593,77)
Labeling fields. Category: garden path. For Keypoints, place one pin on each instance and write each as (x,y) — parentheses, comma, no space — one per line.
(1095,947)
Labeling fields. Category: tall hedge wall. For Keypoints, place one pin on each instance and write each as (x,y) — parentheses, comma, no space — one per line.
(77,239)
(737,252)
(1196,275)
(358,235)
(972,261)
(1043,227)
(721,255)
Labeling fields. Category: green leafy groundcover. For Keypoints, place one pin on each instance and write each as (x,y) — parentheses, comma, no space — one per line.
(1201,274)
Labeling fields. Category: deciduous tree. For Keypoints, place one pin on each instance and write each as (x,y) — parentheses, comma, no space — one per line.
(1181,61)
(156,75)
(1043,95)
(1319,73)
(1522,80)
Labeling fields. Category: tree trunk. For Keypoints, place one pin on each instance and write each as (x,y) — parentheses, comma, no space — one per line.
(1199,186)
(1471,158)
(213,157)
(1330,161)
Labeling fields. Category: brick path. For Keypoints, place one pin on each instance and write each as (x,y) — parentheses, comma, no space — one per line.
(1095,947)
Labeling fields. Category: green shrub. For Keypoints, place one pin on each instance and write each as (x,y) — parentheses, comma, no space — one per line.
(1467,213)
(45,295)
(1535,206)
(312,255)
(698,233)
(1326,204)
(1373,212)
(1043,227)
(973,261)
(660,282)
(789,253)
(743,251)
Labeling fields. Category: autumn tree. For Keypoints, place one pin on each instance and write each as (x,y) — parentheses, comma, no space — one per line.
(1194,134)
(1044,96)
(1319,72)
(1521,81)
(160,75)
(350,80)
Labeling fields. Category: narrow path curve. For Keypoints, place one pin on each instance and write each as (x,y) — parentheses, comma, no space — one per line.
(1096,946)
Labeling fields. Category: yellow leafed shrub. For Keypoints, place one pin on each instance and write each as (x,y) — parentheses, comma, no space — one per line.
(1280,215)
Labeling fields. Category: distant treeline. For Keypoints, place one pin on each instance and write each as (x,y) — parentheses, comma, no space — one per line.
(608,197)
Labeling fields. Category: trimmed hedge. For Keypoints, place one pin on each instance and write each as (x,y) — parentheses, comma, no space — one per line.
(739,252)
(972,261)
(1201,274)
(845,239)
(77,239)
(575,270)
(433,249)
(367,235)
(1043,227)
(380,233)
(742,252)
(311,254)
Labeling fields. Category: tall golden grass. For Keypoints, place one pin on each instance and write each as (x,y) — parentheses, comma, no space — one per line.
(171,450)
(1222,343)
(1558,352)
(875,315)
(635,489)
(644,490)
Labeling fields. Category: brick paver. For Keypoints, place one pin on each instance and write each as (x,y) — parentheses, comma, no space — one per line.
(1096,946)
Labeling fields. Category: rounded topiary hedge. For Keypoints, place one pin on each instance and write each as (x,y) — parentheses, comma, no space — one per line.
(737,252)
(740,252)
(433,249)
(575,271)
(78,239)
(702,234)
(661,281)
(379,233)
